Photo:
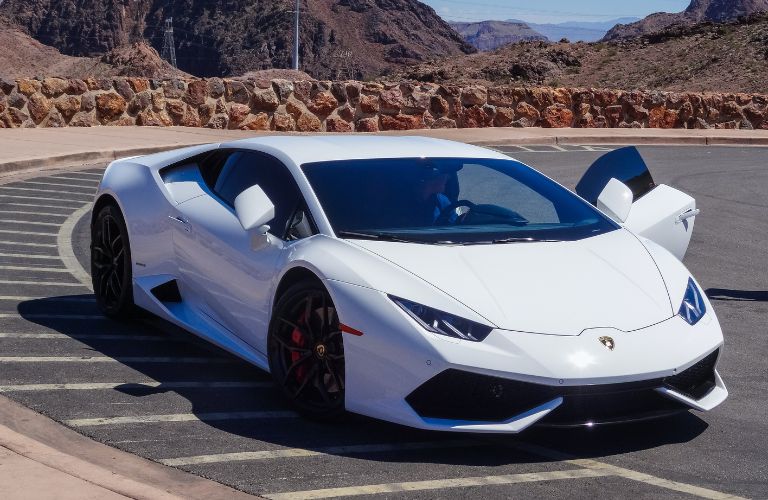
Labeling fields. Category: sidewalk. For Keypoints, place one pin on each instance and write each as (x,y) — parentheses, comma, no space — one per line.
(40,458)
(22,149)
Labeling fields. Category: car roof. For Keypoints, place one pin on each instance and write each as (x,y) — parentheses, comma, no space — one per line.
(317,148)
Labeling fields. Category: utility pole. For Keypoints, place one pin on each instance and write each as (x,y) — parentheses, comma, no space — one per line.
(169,48)
(296,35)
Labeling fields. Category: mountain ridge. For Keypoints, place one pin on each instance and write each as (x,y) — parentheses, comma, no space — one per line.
(698,11)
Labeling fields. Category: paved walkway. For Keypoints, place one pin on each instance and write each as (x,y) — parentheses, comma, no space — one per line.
(21,149)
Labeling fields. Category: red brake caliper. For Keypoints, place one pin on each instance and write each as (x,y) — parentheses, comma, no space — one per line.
(298,339)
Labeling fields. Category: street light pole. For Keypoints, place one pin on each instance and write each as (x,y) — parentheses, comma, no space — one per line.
(296,36)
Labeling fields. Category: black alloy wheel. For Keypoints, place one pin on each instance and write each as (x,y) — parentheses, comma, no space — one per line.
(111,263)
(306,351)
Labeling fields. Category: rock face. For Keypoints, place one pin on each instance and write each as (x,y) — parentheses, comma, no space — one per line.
(347,38)
(490,35)
(350,106)
(698,11)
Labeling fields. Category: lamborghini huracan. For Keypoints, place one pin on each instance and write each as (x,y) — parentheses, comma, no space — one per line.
(424,282)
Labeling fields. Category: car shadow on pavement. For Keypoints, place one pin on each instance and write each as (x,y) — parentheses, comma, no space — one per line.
(737,295)
(94,331)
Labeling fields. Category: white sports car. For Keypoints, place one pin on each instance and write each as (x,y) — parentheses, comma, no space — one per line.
(424,282)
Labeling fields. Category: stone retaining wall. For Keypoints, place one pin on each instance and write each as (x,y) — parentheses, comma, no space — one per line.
(308,106)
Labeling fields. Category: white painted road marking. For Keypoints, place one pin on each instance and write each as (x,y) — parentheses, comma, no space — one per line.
(439,484)
(39,190)
(67,252)
(29,256)
(329,450)
(26,233)
(105,359)
(182,417)
(42,283)
(35,205)
(625,473)
(90,336)
(30,223)
(23,212)
(154,384)
(93,317)
(28,268)
(60,184)
(18,197)
(94,182)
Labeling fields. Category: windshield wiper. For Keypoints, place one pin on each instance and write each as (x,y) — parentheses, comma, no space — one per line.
(522,240)
(374,236)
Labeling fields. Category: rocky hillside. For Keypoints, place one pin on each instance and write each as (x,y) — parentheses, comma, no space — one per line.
(730,57)
(698,11)
(22,56)
(339,38)
(490,35)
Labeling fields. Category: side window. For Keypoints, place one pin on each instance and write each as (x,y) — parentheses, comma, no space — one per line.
(243,169)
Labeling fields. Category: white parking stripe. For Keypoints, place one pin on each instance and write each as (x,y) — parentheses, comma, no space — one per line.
(94,317)
(330,450)
(41,269)
(95,182)
(439,484)
(17,197)
(154,384)
(24,298)
(182,417)
(90,336)
(41,283)
(26,233)
(34,205)
(82,172)
(67,251)
(29,256)
(61,184)
(105,359)
(22,212)
(625,473)
(40,190)
(27,244)
(31,223)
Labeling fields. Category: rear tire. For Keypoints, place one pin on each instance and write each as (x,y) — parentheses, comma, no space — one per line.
(306,351)
(111,272)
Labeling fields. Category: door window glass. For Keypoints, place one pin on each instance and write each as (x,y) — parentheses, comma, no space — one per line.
(245,169)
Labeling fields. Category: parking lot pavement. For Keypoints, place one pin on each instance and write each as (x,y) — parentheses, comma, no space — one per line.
(153,390)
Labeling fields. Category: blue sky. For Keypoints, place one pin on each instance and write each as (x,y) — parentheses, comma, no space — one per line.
(551,11)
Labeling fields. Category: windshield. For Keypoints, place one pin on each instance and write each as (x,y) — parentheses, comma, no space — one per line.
(449,201)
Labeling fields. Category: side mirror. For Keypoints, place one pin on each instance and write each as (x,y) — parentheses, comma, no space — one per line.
(616,200)
(254,209)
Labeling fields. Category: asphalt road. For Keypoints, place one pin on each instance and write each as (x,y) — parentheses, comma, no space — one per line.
(156,391)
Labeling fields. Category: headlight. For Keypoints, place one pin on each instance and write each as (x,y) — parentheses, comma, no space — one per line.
(443,323)
(692,309)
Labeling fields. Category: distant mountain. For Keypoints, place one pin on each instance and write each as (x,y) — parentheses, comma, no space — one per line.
(576,31)
(490,35)
(698,11)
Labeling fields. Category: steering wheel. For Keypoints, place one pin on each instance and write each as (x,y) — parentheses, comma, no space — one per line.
(445,213)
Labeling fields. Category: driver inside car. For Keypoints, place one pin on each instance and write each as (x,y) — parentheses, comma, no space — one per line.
(432,198)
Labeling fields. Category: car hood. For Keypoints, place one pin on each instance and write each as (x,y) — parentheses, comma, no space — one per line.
(556,288)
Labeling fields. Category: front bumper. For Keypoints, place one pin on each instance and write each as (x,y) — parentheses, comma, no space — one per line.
(547,379)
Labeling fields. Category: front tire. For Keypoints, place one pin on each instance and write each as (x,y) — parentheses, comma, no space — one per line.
(306,351)
(111,272)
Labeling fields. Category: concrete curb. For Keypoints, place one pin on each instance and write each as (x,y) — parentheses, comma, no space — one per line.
(44,441)
(85,157)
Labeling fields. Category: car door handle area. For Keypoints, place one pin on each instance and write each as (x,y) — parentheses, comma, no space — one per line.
(181,221)
(687,215)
